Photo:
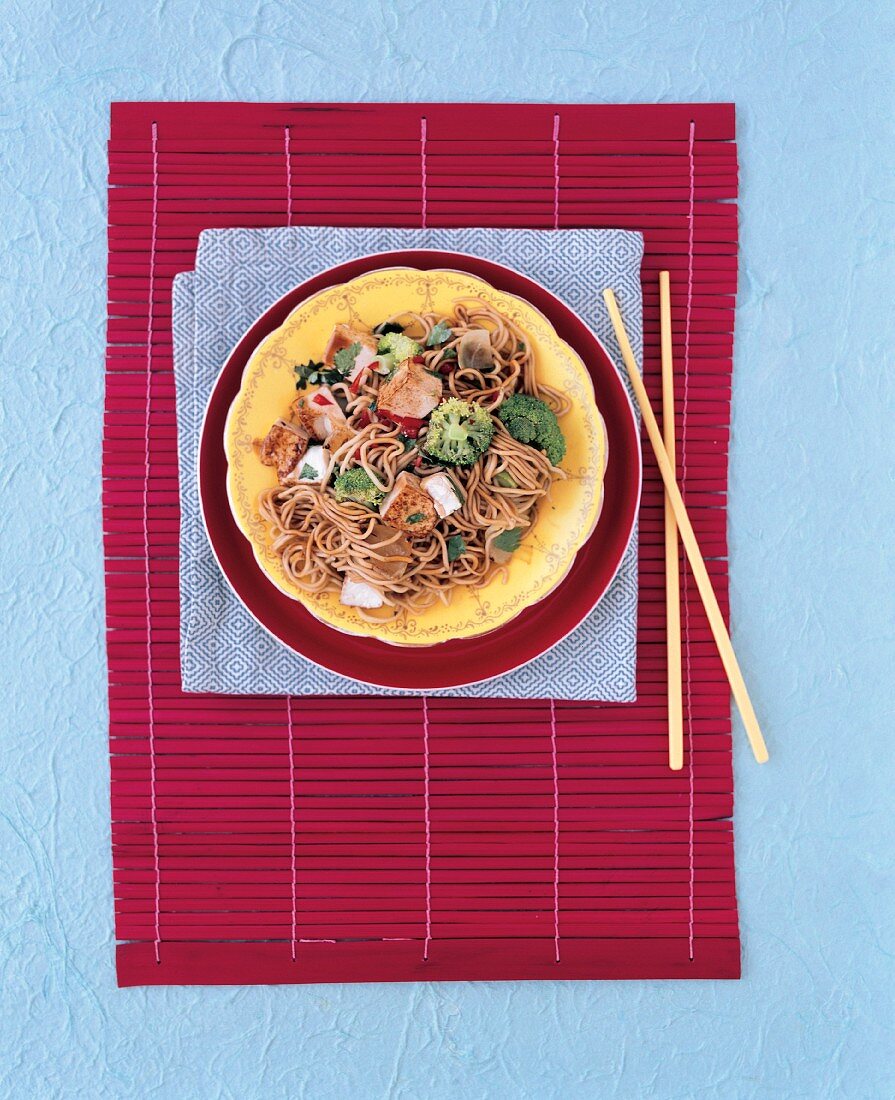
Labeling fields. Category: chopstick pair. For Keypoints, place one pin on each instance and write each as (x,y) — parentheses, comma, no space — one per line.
(691,546)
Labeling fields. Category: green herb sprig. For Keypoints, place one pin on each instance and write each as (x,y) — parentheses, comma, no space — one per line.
(455,547)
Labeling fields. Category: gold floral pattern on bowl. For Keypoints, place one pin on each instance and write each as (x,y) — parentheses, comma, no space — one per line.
(565,519)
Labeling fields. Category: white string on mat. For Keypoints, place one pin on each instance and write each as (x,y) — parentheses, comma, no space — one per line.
(287,141)
(428,821)
(287,151)
(424,199)
(290,730)
(153,802)
(556,171)
(555,828)
(691,212)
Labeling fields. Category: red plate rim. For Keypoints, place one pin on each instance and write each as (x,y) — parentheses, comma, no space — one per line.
(453,663)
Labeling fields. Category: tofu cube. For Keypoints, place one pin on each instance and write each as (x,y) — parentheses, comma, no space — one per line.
(444,493)
(343,337)
(365,359)
(410,393)
(319,414)
(339,436)
(312,468)
(358,593)
(409,507)
(283,447)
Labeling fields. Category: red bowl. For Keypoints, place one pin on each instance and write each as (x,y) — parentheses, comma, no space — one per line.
(446,664)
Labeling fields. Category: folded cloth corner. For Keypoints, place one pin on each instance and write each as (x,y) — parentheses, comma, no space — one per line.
(239,274)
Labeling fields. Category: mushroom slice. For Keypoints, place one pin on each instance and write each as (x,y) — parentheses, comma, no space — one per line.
(394,549)
(474,350)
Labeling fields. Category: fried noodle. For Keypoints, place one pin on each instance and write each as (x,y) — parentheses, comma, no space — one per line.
(319,539)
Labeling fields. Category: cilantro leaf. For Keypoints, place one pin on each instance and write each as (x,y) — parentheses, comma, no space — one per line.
(440,334)
(343,360)
(307,471)
(505,480)
(416,517)
(449,353)
(311,372)
(455,547)
(388,326)
(508,541)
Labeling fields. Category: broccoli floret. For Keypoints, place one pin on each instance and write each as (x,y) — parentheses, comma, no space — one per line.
(459,432)
(399,345)
(357,485)
(529,420)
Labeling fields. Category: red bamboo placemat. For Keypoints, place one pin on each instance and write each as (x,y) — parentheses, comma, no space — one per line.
(260,839)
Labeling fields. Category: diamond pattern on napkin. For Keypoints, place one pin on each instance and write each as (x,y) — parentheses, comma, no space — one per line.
(240,273)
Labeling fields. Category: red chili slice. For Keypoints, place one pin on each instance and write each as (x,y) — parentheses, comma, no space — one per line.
(409,425)
(419,359)
(319,399)
(364,418)
(356,384)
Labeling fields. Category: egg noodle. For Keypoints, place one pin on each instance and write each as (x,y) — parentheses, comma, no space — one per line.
(320,539)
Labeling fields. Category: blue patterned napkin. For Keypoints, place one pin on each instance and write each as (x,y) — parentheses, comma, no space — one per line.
(241,272)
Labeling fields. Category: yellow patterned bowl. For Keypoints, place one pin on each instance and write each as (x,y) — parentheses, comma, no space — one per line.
(565,520)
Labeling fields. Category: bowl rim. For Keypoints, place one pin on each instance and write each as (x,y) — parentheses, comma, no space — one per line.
(464,681)
(582,536)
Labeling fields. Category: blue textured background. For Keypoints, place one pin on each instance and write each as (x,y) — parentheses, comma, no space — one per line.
(811,545)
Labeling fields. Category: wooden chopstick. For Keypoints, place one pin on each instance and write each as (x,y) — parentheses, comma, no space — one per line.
(672,564)
(694,556)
